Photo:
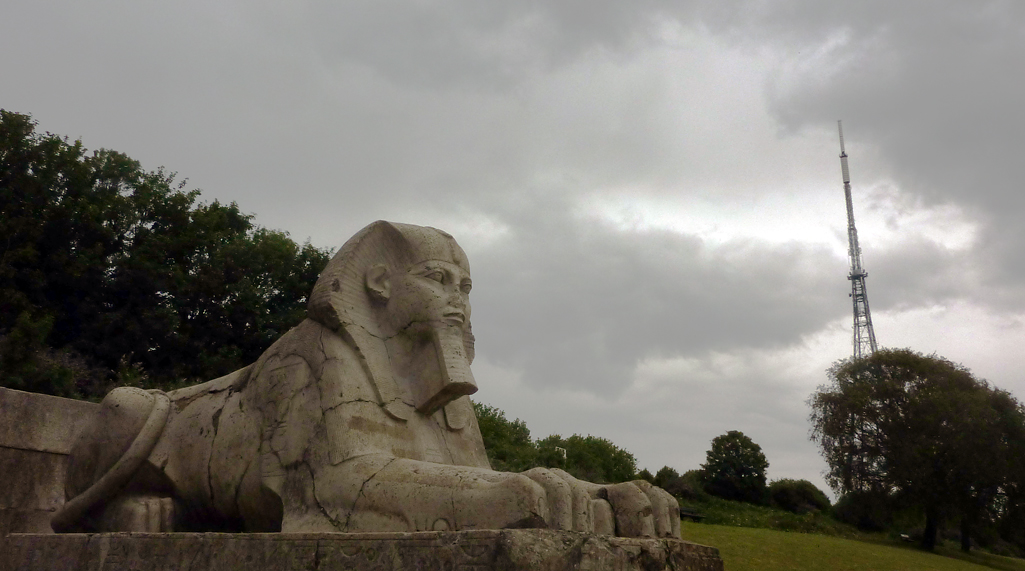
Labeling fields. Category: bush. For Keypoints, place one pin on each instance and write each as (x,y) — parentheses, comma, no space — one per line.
(797,496)
(869,511)
(670,480)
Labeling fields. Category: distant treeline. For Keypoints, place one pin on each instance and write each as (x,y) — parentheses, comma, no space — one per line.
(511,449)
(111,274)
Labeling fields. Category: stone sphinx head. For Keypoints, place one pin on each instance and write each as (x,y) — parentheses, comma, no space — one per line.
(398,293)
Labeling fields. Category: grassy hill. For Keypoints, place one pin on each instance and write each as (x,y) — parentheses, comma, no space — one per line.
(755,549)
(764,538)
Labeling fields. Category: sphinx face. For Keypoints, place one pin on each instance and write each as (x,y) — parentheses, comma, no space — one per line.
(433,293)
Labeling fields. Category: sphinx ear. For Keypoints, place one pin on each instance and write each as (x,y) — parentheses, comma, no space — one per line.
(378,283)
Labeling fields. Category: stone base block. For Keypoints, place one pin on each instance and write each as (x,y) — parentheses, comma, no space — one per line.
(499,550)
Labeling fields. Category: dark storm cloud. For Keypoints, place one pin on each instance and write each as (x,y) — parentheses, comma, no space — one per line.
(572,301)
(461,43)
(920,273)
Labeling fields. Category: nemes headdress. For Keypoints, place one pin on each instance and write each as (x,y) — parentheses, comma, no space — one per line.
(340,300)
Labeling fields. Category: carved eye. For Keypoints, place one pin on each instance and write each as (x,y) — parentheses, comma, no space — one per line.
(466,286)
(436,275)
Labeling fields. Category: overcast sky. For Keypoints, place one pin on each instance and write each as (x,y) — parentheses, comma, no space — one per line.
(649,192)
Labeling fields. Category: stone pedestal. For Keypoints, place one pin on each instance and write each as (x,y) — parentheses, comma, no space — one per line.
(505,550)
(36,432)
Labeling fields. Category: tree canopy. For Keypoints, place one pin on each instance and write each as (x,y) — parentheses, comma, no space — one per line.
(110,273)
(590,458)
(510,448)
(735,468)
(508,442)
(899,422)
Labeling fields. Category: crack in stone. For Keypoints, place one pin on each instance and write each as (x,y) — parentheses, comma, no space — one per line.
(368,401)
(281,464)
(313,478)
(360,494)
(444,441)
(213,446)
(192,564)
(323,353)
(455,525)
(216,419)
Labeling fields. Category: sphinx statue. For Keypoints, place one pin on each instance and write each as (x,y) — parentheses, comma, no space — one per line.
(356,420)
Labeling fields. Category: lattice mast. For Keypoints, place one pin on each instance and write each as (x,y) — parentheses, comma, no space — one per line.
(864,338)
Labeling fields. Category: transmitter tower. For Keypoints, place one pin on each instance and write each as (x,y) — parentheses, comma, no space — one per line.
(864,338)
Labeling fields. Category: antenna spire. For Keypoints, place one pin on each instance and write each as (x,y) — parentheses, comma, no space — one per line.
(864,338)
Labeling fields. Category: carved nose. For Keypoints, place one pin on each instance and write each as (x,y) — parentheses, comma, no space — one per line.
(456,304)
(455,299)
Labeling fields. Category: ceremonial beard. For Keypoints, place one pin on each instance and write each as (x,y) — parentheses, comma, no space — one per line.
(430,359)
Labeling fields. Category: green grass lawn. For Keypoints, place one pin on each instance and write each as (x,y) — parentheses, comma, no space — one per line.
(752,549)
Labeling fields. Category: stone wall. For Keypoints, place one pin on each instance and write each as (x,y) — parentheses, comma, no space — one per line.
(485,550)
(36,432)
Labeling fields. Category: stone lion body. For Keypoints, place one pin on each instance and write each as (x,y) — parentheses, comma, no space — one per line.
(357,419)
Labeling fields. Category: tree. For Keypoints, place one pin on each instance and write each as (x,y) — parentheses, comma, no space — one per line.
(110,273)
(735,468)
(507,443)
(899,422)
(670,480)
(589,458)
(665,475)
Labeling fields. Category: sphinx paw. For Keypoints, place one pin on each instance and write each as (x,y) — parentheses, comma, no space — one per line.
(153,514)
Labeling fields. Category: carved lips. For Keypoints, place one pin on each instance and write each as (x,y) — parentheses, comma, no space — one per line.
(454,317)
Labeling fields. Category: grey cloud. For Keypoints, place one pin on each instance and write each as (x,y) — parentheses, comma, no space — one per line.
(671,416)
(920,273)
(933,87)
(462,43)
(574,302)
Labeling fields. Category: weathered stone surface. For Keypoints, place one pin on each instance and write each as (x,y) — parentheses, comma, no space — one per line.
(32,490)
(35,437)
(24,471)
(356,420)
(30,421)
(498,550)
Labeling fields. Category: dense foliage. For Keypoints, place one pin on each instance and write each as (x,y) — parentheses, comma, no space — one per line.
(113,274)
(924,431)
(671,481)
(866,509)
(734,468)
(590,458)
(798,496)
(508,442)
